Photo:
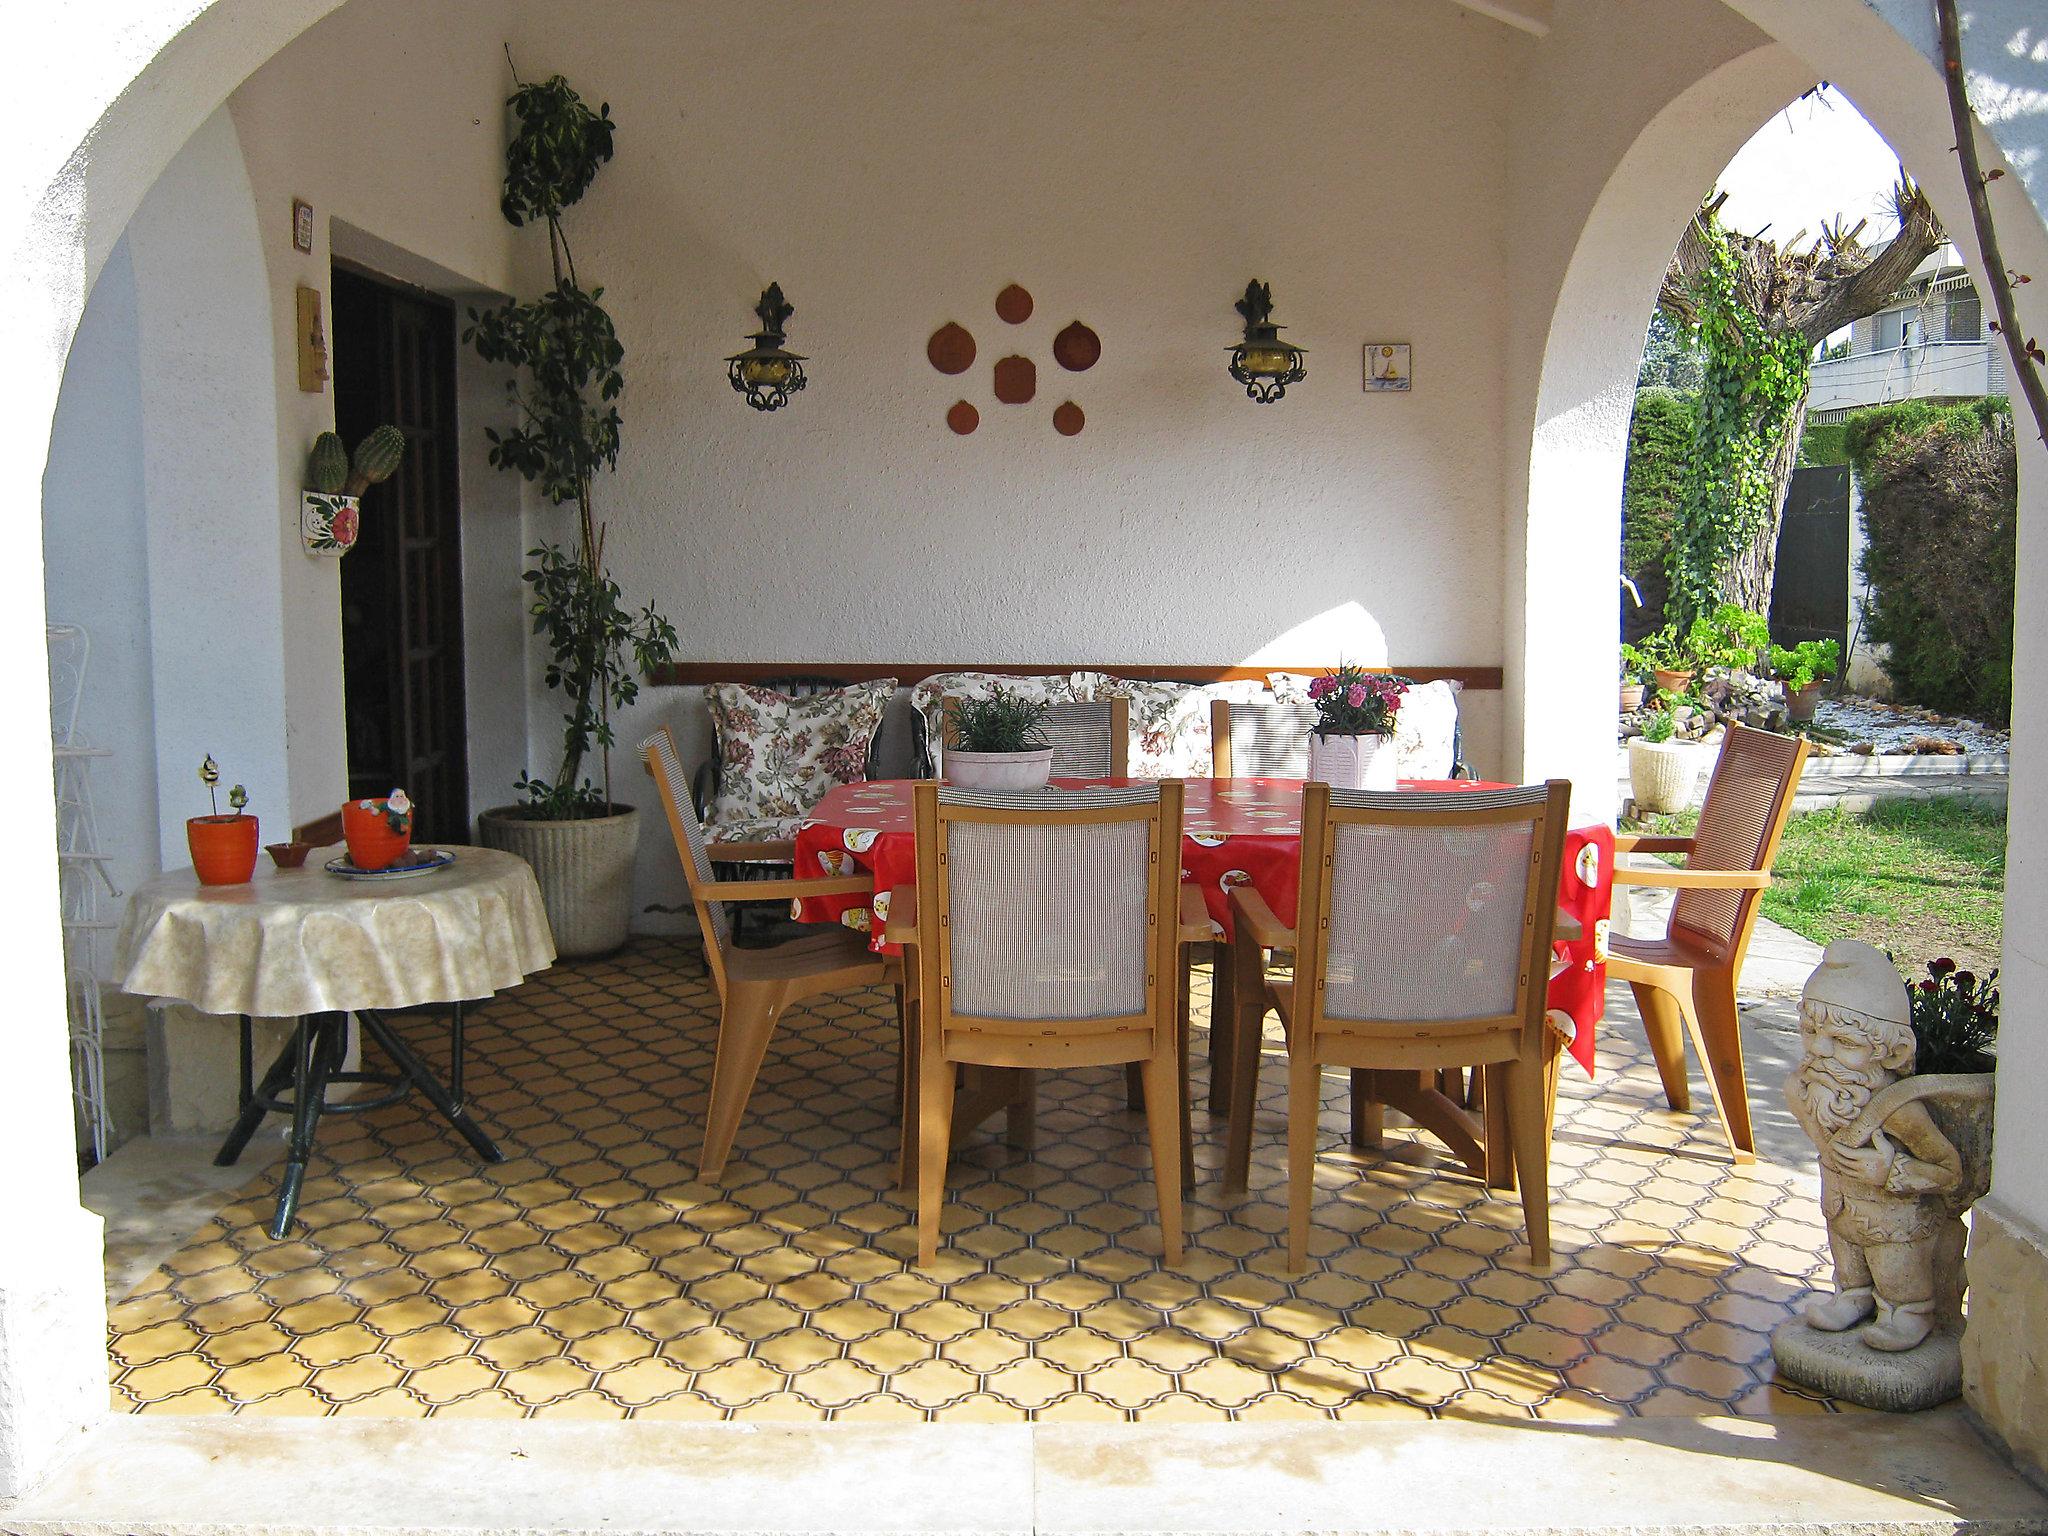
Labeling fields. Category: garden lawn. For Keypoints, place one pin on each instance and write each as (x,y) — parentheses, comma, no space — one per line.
(1919,878)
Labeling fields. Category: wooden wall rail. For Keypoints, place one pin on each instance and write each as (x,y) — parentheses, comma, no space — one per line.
(681,673)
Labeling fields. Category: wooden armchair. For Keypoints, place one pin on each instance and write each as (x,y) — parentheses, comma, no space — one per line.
(1686,979)
(1046,934)
(1422,944)
(755,986)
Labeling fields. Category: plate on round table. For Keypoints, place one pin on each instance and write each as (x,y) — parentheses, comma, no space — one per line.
(419,861)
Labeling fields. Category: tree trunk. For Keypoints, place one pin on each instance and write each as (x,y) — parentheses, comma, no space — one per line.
(1748,579)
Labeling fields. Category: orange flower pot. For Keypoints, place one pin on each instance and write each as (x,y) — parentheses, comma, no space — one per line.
(223,848)
(371,842)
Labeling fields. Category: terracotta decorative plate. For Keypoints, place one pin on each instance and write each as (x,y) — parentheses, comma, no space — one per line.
(1068,420)
(1016,380)
(951,348)
(963,418)
(1014,305)
(1077,348)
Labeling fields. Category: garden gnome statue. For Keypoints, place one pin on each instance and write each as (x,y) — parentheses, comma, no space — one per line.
(1901,1158)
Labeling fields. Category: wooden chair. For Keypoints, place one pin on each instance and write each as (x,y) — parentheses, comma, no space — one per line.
(1090,738)
(755,986)
(1260,739)
(1422,943)
(1686,979)
(1046,933)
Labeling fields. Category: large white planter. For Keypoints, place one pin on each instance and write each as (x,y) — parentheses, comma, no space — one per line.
(1352,762)
(1661,774)
(585,872)
(998,770)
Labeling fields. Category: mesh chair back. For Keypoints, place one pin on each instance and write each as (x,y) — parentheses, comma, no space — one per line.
(1428,904)
(660,752)
(1081,734)
(1269,737)
(1049,919)
(1740,822)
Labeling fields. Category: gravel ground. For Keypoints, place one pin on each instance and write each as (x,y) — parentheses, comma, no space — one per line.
(1894,727)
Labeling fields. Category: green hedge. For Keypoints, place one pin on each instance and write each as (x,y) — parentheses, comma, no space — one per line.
(1660,437)
(1940,501)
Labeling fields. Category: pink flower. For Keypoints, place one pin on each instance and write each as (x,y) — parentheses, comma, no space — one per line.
(1357,696)
(1320,686)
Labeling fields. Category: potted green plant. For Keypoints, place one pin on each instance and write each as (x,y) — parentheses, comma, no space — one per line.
(223,848)
(1805,669)
(330,514)
(1351,744)
(1664,657)
(998,743)
(579,839)
(1730,639)
(1661,771)
(1635,667)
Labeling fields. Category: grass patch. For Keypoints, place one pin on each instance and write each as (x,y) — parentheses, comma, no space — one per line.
(1919,878)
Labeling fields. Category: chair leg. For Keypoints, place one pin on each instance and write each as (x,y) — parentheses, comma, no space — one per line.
(1020,1120)
(1717,1031)
(1524,1084)
(907,1103)
(1184,1101)
(1368,1115)
(1247,1032)
(1222,1028)
(934,1142)
(1496,1113)
(1304,1104)
(743,1032)
(1134,1086)
(1664,1022)
(1163,1124)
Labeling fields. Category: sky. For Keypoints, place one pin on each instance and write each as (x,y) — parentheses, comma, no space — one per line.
(1815,160)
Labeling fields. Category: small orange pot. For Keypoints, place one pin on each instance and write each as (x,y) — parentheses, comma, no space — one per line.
(371,842)
(1674,682)
(223,848)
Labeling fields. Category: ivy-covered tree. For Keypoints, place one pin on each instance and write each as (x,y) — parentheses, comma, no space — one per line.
(1759,312)
(566,430)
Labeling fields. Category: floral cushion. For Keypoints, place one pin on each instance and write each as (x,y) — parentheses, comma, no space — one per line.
(929,697)
(752,829)
(1426,734)
(1170,736)
(778,755)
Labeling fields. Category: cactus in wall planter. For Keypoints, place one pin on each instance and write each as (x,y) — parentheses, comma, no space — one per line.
(330,515)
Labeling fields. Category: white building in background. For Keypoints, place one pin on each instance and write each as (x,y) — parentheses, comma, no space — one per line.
(1932,342)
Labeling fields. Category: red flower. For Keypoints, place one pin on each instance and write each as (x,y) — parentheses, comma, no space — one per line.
(346,521)
(1927,986)
(1941,967)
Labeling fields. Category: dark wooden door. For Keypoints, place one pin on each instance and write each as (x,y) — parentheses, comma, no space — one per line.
(401,586)
(1810,592)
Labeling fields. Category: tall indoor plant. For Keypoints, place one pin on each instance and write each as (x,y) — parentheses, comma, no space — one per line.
(579,840)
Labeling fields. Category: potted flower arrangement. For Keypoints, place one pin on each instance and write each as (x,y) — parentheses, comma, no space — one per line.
(997,744)
(1348,747)
(1805,669)
(223,847)
(565,353)
(378,832)
(1661,772)
(330,515)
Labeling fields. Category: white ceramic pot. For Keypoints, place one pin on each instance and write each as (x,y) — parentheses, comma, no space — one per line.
(1661,774)
(584,869)
(328,525)
(1352,762)
(998,770)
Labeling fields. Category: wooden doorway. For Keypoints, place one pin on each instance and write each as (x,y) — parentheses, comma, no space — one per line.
(401,586)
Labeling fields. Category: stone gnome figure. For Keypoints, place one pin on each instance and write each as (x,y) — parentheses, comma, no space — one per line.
(1901,1157)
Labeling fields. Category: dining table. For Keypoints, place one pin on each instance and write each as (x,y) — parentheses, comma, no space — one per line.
(1236,831)
(318,946)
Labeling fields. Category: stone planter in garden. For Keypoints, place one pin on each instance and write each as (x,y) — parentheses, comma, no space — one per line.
(1661,774)
(584,868)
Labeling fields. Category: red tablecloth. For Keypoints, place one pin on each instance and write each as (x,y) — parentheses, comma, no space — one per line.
(1234,832)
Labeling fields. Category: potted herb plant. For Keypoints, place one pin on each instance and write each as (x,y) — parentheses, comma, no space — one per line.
(1805,669)
(998,743)
(1350,745)
(330,514)
(1664,656)
(1635,667)
(1661,771)
(223,848)
(578,838)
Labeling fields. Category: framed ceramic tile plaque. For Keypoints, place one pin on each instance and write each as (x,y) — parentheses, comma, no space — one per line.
(1387,365)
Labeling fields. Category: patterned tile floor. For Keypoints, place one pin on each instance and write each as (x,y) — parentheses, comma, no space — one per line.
(591,1275)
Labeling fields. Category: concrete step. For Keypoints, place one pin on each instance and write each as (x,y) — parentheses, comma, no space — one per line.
(1911,1475)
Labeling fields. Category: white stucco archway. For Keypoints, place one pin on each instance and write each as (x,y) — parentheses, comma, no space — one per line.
(109,93)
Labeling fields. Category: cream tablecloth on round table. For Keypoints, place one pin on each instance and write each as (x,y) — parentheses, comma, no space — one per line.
(297,941)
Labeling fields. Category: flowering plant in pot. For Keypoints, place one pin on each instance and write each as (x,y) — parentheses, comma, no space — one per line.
(996,743)
(1349,745)
(223,847)
(378,832)
(564,354)
(1804,669)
